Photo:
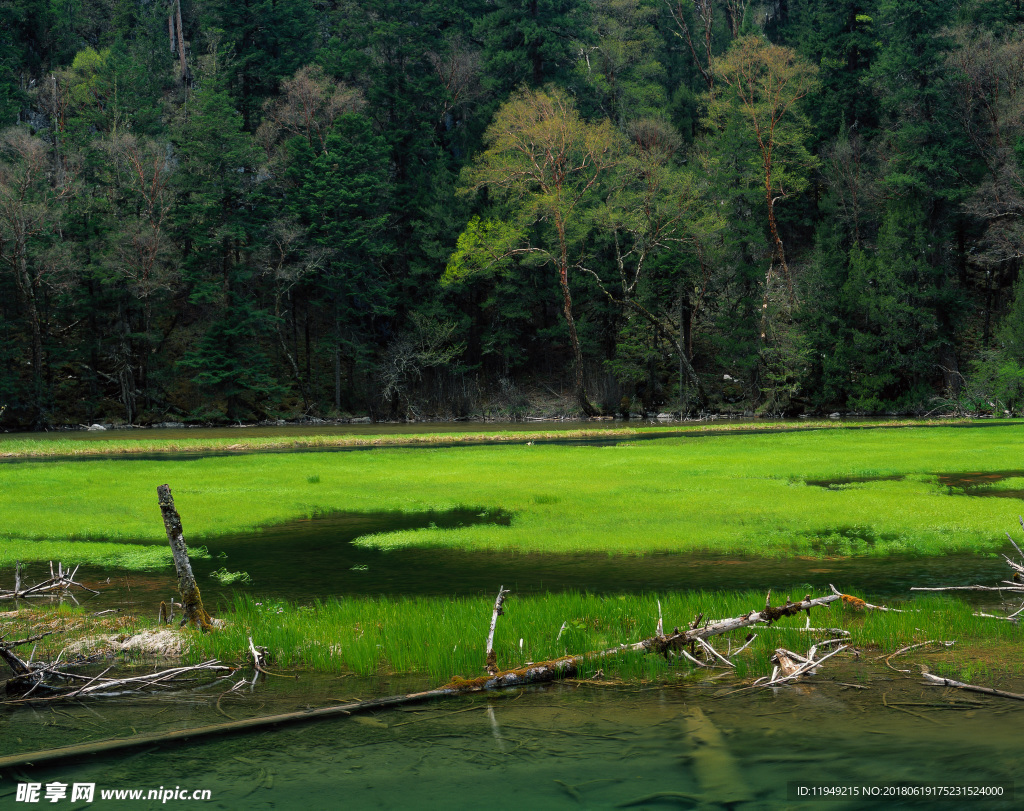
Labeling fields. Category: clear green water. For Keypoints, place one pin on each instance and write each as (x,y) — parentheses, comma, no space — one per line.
(561,746)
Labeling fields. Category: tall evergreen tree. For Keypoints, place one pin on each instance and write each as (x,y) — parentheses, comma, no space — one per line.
(530,42)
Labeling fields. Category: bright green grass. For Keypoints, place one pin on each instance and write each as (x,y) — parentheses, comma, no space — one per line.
(736,493)
(442,637)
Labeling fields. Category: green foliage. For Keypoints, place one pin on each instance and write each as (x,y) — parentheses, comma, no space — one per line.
(483,245)
(530,42)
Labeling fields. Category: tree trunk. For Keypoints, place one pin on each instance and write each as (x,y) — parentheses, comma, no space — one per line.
(29,288)
(185,75)
(579,383)
(192,602)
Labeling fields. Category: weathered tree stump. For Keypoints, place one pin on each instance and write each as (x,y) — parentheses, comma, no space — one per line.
(191,600)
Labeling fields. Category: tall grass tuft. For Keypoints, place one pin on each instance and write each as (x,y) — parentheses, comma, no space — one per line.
(442,637)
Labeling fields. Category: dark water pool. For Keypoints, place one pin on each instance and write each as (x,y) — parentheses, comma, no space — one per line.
(316,559)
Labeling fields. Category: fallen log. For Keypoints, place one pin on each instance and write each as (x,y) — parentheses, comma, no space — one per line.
(971,688)
(178,735)
(1011,587)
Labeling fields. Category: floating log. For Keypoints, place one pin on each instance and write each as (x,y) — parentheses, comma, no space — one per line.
(971,688)
(178,735)
(192,601)
(717,773)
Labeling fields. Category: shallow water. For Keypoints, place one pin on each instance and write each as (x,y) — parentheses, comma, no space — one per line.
(559,746)
(316,559)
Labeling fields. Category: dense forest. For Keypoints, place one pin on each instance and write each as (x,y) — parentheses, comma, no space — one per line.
(277,209)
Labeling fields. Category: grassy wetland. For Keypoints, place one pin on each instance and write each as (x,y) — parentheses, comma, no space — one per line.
(917,490)
(816,493)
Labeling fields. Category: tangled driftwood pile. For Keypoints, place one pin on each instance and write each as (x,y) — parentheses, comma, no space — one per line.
(57,681)
(1015,585)
(60,582)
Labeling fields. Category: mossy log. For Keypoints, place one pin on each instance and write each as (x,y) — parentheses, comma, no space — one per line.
(191,600)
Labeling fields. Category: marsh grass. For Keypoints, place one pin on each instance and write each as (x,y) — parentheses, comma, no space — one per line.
(437,638)
(442,637)
(737,494)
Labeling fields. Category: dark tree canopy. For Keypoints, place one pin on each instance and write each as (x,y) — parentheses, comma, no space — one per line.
(288,209)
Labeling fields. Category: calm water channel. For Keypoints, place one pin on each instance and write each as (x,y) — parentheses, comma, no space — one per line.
(563,746)
(700,744)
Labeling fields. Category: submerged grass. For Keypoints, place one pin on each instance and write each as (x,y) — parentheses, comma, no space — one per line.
(746,494)
(442,637)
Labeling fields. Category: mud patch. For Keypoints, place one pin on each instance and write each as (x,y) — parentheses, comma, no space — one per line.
(846,482)
(983,485)
(163,642)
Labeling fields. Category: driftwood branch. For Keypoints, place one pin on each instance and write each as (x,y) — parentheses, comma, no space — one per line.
(787,668)
(971,688)
(59,582)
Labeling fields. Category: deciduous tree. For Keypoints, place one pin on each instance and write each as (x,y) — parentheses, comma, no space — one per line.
(759,88)
(34,188)
(545,167)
